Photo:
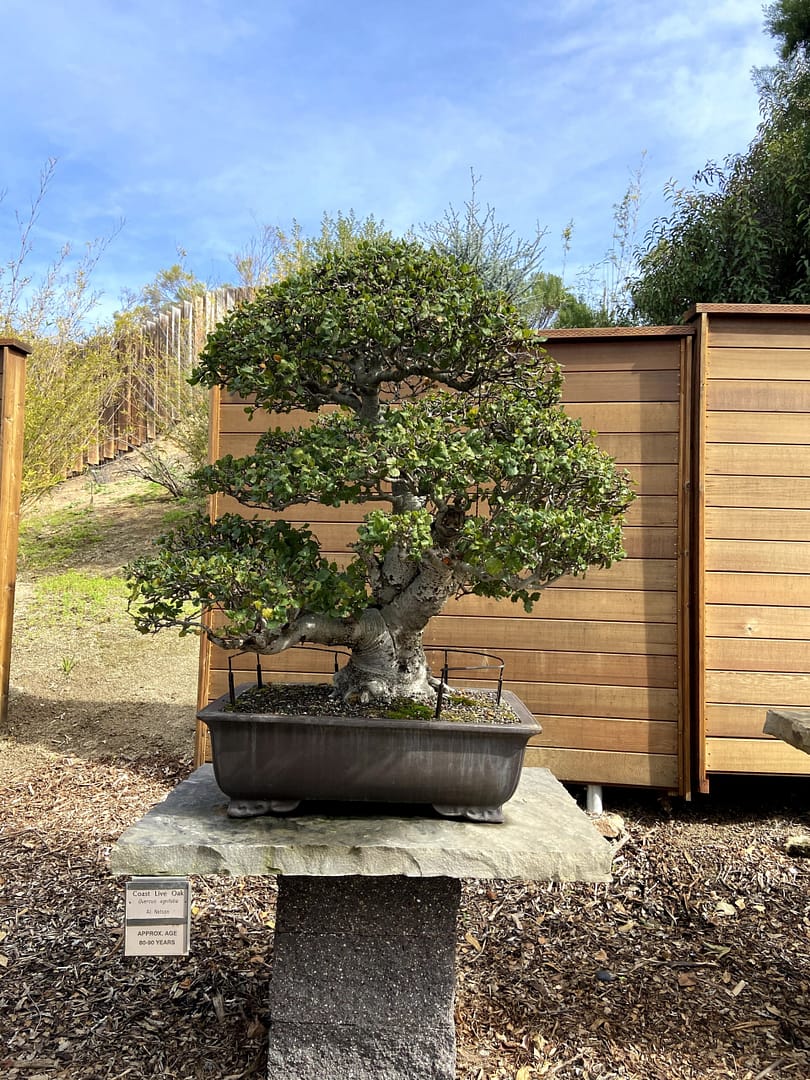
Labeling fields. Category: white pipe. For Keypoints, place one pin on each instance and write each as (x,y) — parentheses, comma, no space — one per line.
(593,799)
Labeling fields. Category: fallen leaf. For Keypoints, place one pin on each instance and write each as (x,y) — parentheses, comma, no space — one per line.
(523,1073)
(471,939)
(600,956)
(724,908)
(687,978)
(256,1029)
(719,950)
(738,989)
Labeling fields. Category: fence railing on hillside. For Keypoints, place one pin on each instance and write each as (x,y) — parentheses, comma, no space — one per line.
(158,357)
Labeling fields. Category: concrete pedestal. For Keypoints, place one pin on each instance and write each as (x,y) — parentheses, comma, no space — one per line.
(364,956)
(363,979)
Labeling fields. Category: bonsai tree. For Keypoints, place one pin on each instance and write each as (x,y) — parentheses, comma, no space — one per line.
(431,403)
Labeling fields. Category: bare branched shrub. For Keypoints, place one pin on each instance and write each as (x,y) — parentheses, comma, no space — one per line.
(72,373)
(170,461)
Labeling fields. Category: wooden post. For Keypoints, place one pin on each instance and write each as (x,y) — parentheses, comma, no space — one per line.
(12,401)
(202,743)
(684,566)
(698,560)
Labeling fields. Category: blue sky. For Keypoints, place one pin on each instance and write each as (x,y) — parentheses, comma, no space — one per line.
(196,122)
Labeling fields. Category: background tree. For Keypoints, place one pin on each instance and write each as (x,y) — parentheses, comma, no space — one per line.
(172,286)
(74,369)
(273,253)
(445,420)
(503,261)
(789,21)
(506,262)
(741,233)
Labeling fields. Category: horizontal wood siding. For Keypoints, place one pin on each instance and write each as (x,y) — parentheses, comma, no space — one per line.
(752,572)
(600,659)
(611,707)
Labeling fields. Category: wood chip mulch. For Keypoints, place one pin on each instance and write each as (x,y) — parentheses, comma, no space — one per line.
(692,964)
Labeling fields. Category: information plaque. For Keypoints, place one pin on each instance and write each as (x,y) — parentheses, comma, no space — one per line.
(158,911)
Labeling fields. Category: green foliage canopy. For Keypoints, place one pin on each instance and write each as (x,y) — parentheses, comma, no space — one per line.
(789,20)
(388,313)
(443,417)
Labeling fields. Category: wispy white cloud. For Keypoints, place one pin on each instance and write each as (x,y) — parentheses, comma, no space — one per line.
(192,121)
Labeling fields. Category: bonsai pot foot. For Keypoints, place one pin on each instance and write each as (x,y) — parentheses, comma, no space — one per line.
(493,815)
(245,808)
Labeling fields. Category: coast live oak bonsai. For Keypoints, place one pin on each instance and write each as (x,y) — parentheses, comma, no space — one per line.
(430,402)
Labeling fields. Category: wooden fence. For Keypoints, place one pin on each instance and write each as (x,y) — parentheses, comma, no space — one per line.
(604,662)
(156,357)
(751,557)
(12,396)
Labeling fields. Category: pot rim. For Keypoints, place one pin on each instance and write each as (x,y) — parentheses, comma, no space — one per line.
(217,712)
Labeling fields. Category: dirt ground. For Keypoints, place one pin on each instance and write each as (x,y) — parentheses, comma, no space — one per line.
(93,687)
(692,964)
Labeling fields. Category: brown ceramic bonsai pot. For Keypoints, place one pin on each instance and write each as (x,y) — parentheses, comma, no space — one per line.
(269,763)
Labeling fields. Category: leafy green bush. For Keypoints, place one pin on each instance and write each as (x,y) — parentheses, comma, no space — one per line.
(448,426)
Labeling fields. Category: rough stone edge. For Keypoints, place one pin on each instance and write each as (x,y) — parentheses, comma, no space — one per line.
(791,726)
(253,852)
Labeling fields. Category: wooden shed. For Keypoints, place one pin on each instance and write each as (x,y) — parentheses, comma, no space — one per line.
(602,660)
(12,400)
(751,550)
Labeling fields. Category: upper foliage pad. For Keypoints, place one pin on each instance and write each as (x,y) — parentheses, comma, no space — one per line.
(388,316)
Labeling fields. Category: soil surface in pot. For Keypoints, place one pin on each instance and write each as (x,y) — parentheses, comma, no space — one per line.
(311,699)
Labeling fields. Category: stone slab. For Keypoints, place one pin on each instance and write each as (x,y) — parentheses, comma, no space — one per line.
(544,837)
(791,726)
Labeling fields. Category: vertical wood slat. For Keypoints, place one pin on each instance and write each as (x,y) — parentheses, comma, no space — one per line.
(202,743)
(12,404)
(685,542)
